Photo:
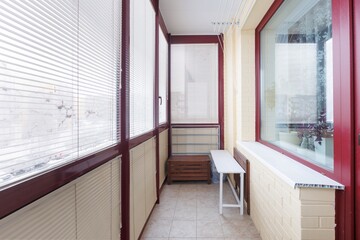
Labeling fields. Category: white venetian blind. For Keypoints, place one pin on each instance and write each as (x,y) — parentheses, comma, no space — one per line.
(163,76)
(59,71)
(142,67)
(194,83)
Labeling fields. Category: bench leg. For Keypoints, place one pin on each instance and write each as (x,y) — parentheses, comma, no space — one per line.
(221,193)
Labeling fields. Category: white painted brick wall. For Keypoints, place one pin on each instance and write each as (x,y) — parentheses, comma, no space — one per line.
(278,210)
(281,212)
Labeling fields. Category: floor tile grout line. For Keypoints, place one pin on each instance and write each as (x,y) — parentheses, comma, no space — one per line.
(198,193)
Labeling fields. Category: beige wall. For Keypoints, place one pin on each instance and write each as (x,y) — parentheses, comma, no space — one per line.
(239,72)
(278,210)
(87,208)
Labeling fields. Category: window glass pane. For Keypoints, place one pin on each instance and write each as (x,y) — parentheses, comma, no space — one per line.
(194,83)
(142,67)
(98,74)
(297,80)
(58,87)
(163,77)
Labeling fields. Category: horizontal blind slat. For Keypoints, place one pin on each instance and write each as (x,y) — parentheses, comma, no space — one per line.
(59,83)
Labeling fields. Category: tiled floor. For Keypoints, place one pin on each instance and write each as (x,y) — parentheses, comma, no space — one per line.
(190,211)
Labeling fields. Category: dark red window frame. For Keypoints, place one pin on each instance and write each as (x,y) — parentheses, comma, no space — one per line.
(193,39)
(163,29)
(357,112)
(343,112)
(130,143)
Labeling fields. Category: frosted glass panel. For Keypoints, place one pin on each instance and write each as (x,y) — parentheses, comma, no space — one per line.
(194,83)
(142,67)
(163,77)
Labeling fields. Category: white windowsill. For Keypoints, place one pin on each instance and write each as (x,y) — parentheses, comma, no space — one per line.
(294,173)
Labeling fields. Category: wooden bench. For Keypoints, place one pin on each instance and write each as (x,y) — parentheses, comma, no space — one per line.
(189,168)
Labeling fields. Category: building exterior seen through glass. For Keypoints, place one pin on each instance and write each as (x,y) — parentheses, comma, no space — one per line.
(297,81)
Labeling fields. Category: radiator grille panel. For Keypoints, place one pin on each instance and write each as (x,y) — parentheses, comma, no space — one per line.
(52,217)
(87,208)
(163,152)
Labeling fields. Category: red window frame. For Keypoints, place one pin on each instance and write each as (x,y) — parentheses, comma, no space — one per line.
(343,112)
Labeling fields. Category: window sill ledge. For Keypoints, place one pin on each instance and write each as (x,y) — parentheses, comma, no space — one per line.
(291,171)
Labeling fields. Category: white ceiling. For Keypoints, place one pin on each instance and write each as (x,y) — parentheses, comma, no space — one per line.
(195,17)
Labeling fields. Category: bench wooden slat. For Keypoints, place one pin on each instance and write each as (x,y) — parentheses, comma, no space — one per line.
(189,168)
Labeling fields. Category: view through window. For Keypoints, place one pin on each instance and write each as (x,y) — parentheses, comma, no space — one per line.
(58,85)
(194,83)
(297,81)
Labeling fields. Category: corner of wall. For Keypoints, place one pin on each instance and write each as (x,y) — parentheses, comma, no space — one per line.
(240,73)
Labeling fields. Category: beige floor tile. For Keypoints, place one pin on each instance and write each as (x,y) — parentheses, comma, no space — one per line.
(172,187)
(188,188)
(154,238)
(206,238)
(194,238)
(185,213)
(209,229)
(231,230)
(209,202)
(202,195)
(181,204)
(233,213)
(172,193)
(203,186)
(157,228)
(240,238)
(163,212)
(243,221)
(168,201)
(187,195)
(229,198)
(209,214)
(180,228)
(189,201)
(251,232)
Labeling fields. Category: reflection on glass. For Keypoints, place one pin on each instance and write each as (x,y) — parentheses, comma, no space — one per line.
(297,81)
